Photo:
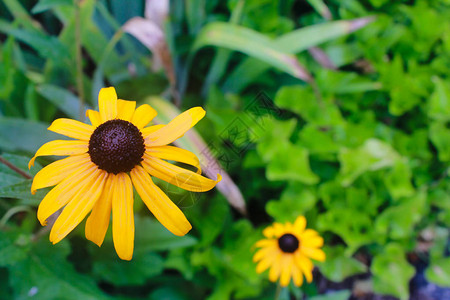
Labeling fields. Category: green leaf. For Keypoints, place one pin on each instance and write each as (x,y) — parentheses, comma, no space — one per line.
(46,274)
(354,227)
(340,295)
(439,102)
(291,162)
(440,136)
(24,135)
(302,101)
(44,5)
(371,156)
(11,251)
(61,98)
(339,266)
(243,39)
(22,191)
(295,200)
(398,180)
(398,221)
(151,236)
(293,42)
(392,272)
(108,267)
(438,272)
(47,46)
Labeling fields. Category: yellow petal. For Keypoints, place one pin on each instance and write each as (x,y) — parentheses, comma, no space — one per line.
(310,238)
(61,148)
(300,224)
(79,206)
(143,115)
(125,109)
(64,192)
(107,104)
(268,251)
(265,263)
(148,130)
(94,117)
(72,128)
(313,253)
(304,264)
(266,243)
(167,213)
(297,276)
(123,217)
(286,265)
(175,154)
(176,128)
(180,177)
(98,221)
(57,171)
(269,232)
(275,270)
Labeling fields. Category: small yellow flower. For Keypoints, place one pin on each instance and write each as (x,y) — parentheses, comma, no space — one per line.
(287,250)
(105,161)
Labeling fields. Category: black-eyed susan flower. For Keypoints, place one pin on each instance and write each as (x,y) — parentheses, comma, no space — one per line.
(105,160)
(287,251)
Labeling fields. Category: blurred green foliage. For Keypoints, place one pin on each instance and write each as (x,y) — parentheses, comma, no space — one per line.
(361,149)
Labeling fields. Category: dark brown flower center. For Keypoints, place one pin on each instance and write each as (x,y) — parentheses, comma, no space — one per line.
(116,146)
(288,243)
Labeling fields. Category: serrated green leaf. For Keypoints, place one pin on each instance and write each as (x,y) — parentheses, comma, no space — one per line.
(291,162)
(398,180)
(440,136)
(392,272)
(339,266)
(371,156)
(295,200)
(439,102)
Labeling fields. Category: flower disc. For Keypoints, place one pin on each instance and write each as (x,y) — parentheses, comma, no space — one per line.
(116,146)
(288,243)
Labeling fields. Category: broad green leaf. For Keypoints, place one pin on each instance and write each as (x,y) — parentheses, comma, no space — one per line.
(371,156)
(46,274)
(392,272)
(339,266)
(44,5)
(11,250)
(293,42)
(291,162)
(61,98)
(276,132)
(107,267)
(295,200)
(152,236)
(47,46)
(340,295)
(24,135)
(440,136)
(22,191)
(439,102)
(243,39)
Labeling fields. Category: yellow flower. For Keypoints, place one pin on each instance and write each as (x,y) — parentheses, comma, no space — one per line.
(105,161)
(287,251)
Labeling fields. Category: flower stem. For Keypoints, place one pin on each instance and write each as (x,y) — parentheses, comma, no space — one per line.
(14,168)
(278,291)
(78,57)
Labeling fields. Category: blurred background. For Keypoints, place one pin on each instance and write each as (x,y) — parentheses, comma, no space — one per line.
(336,110)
